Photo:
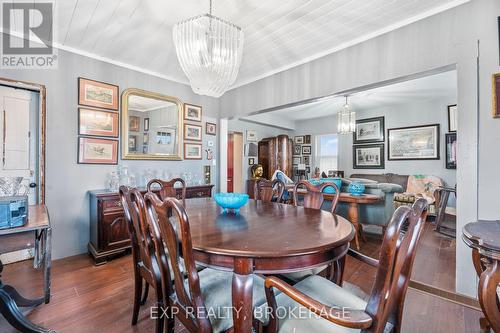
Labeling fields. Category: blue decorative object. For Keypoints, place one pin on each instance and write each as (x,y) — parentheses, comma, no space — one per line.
(232,201)
(356,188)
(329,189)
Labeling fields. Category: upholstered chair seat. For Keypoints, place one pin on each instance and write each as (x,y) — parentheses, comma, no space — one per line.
(216,289)
(295,318)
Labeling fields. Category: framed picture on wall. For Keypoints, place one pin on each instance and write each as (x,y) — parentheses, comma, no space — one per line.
(192,132)
(306,150)
(192,151)
(251,135)
(97,94)
(452,118)
(97,123)
(192,112)
(299,140)
(414,143)
(97,151)
(210,128)
(146,124)
(369,130)
(496,95)
(296,160)
(134,123)
(306,160)
(132,143)
(451,150)
(368,156)
(297,149)
(307,139)
(251,161)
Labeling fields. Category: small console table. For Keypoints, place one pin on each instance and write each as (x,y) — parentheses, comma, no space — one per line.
(484,239)
(36,233)
(109,233)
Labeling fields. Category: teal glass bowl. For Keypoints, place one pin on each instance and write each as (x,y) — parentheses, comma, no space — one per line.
(356,188)
(328,189)
(233,201)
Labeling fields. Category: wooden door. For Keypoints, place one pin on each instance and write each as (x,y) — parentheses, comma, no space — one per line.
(235,163)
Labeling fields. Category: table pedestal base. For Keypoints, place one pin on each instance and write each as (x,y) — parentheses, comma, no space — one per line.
(10,301)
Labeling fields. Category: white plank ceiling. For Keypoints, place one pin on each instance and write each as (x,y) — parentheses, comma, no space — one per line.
(278,34)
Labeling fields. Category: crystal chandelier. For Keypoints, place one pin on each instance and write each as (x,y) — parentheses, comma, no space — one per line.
(209,50)
(346,119)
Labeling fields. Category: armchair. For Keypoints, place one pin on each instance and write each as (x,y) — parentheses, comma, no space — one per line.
(335,309)
(420,186)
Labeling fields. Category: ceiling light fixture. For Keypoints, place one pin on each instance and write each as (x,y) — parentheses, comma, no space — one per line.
(209,50)
(346,123)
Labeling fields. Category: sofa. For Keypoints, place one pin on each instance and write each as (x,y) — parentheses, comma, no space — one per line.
(373,214)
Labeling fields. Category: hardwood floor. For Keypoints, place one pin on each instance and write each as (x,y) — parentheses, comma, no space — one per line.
(88,298)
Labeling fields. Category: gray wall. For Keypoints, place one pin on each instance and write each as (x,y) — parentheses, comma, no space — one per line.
(68,182)
(448,38)
(236,125)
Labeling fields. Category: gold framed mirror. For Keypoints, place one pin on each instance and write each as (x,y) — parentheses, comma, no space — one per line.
(151,126)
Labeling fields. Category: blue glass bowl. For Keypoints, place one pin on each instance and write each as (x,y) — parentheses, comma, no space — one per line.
(231,201)
(328,189)
(356,188)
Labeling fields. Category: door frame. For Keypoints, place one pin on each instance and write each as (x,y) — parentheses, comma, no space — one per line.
(42,125)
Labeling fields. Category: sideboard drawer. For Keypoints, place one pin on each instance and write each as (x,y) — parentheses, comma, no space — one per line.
(112,204)
(199,193)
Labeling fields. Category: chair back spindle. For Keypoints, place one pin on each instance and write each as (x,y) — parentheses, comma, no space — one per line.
(313,197)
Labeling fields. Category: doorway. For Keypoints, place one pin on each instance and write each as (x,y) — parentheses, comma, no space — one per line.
(235,162)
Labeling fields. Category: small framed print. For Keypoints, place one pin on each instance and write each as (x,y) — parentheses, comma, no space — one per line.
(451,150)
(307,139)
(251,135)
(192,151)
(134,123)
(93,122)
(210,128)
(368,156)
(306,160)
(452,118)
(299,140)
(297,150)
(145,139)
(192,112)
(97,151)
(97,94)
(496,95)
(369,130)
(306,150)
(297,160)
(192,132)
(251,161)
(308,169)
(146,124)
(132,143)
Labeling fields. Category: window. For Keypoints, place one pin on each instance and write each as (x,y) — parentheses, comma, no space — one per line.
(326,152)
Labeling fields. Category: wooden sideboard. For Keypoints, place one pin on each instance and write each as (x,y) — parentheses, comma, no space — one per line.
(109,233)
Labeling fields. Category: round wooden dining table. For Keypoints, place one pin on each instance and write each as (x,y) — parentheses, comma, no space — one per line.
(265,238)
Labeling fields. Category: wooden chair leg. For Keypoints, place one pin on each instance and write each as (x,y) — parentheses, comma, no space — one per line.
(137,298)
(484,325)
(145,294)
(160,321)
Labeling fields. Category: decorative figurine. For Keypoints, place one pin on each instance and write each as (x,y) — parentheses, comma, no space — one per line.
(257,171)
(210,154)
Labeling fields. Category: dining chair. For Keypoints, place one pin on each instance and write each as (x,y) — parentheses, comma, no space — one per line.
(269,190)
(204,291)
(167,189)
(146,267)
(313,196)
(336,309)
